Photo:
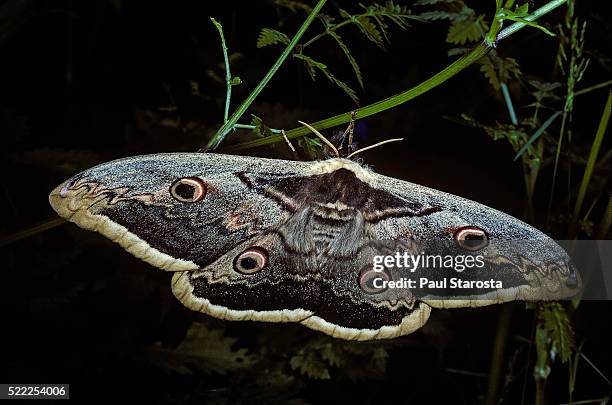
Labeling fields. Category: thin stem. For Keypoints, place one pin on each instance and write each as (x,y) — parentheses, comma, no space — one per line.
(231,122)
(596,87)
(247,126)
(588,170)
(32,230)
(557,156)
(378,106)
(529,187)
(545,9)
(589,401)
(322,34)
(476,53)
(497,357)
(228,75)
(509,104)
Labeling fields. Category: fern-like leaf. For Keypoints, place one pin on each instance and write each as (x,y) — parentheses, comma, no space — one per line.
(441,15)
(400,15)
(461,32)
(488,70)
(348,55)
(205,349)
(310,365)
(368,28)
(312,66)
(268,36)
(499,69)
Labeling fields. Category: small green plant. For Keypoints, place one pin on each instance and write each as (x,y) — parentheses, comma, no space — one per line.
(372,22)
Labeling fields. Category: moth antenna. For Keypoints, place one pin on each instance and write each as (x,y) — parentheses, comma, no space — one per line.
(288,141)
(317,133)
(374,146)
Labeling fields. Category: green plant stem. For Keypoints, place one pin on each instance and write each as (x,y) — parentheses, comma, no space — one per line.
(588,170)
(32,230)
(596,87)
(476,53)
(537,134)
(378,106)
(576,66)
(600,401)
(251,127)
(322,34)
(606,221)
(228,75)
(466,372)
(530,175)
(556,164)
(545,9)
(231,122)
(509,104)
(497,357)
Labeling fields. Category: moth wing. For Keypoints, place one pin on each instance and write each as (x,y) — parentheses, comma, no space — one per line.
(285,290)
(351,312)
(129,201)
(530,265)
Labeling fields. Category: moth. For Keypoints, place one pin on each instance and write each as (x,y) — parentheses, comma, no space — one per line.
(291,241)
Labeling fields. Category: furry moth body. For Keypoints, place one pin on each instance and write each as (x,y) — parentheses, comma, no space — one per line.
(286,241)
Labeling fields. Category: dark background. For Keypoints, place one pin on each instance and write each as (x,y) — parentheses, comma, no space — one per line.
(86,82)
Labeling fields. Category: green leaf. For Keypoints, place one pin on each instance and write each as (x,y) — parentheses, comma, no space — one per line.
(537,134)
(522,11)
(268,36)
(260,129)
(376,31)
(332,355)
(205,349)
(441,15)
(553,318)
(544,89)
(461,32)
(312,66)
(400,15)
(590,166)
(370,31)
(236,81)
(499,69)
(350,58)
(530,24)
(310,365)
(312,146)
(488,69)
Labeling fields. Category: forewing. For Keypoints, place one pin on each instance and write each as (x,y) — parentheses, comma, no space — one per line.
(529,264)
(129,201)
